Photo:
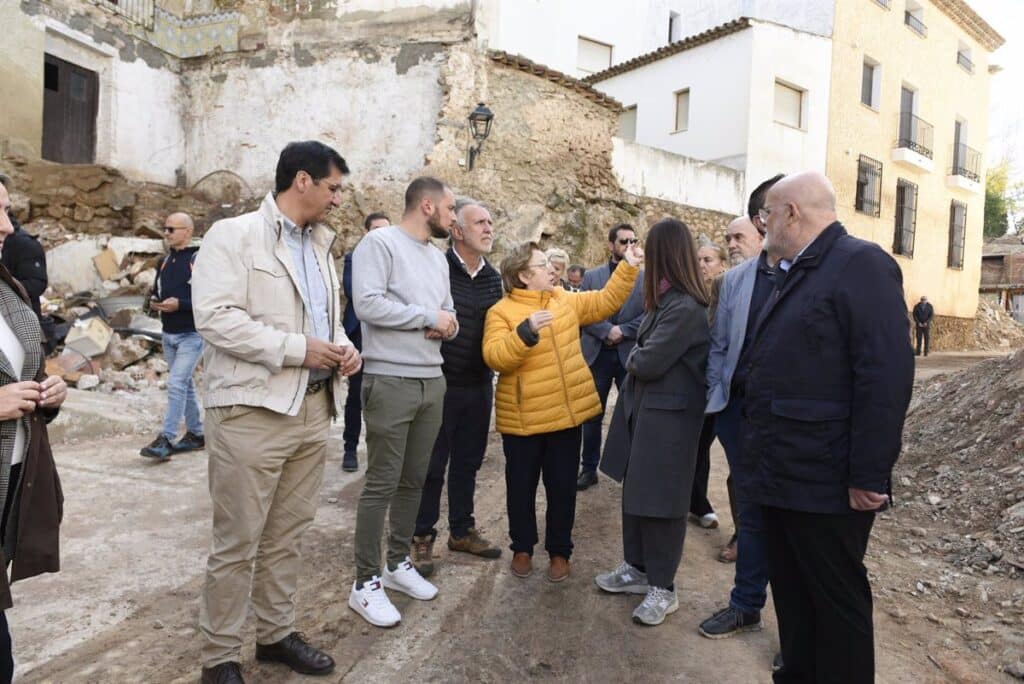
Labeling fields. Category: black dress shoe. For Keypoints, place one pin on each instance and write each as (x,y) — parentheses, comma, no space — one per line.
(295,652)
(586,480)
(777,662)
(225,673)
(160,449)
(349,462)
(190,442)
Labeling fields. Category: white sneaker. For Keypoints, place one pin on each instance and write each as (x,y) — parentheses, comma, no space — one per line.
(408,580)
(373,604)
(709,521)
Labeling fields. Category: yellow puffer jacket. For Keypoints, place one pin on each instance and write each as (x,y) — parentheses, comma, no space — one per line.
(548,387)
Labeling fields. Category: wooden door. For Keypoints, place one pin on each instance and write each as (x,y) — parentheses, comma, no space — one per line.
(70,104)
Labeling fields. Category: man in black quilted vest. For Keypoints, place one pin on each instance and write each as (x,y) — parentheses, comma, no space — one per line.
(462,440)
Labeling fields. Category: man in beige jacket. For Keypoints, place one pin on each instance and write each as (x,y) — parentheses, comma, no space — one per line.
(265,300)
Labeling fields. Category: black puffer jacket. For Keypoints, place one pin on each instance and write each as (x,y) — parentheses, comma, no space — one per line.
(463,356)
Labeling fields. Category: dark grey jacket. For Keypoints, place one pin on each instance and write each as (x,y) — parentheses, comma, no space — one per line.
(627,318)
(652,442)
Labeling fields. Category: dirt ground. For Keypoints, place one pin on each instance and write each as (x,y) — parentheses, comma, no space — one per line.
(124,607)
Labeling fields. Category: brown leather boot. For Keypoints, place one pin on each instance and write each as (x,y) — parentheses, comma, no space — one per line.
(728,552)
(558,569)
(423,554)
(475,544)
(522,564)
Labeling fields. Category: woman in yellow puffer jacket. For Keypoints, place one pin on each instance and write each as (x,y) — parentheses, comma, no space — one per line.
(545,393)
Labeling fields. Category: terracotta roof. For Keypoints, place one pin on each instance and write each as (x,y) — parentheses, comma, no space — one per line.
(976,27)
(671,49)
(545,72)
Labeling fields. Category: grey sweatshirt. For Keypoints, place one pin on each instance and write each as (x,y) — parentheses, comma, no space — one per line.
(398,285)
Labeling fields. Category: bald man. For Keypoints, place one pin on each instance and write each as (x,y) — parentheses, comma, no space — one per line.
(172,299)
(829,377)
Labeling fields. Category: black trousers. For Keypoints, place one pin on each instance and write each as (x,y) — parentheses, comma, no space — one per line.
(822,595)
(353,404)
(923,334)
(555,456)
(699,504)
(6,654)
(654,544)
(460,446)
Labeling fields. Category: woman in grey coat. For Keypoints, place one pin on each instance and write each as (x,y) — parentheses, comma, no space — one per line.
(651,446)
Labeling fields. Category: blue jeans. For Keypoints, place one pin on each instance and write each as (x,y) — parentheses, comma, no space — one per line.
(750,587)
(605,369)
(182,352)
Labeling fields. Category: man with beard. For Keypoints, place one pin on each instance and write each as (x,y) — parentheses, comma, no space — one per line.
(402,296)
(265,300)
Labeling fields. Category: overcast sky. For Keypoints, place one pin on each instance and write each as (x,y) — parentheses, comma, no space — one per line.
(1006,123)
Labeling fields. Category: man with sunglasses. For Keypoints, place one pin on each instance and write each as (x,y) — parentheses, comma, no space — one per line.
(607,344)
(172,299)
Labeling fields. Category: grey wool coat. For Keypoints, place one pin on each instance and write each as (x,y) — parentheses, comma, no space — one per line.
(651,446)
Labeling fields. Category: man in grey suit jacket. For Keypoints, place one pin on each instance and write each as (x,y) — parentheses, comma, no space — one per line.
(607,344)
(744,290)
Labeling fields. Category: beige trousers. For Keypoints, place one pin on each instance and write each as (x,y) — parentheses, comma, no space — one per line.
(266,469)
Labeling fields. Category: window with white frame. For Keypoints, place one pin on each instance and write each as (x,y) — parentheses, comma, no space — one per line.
(789,104)
(963,57)
(871,83)
(675,27)
(682,121)
(627,124)
(592,56)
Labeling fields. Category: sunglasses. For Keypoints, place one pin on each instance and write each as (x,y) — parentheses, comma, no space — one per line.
(171,229)
(628,241)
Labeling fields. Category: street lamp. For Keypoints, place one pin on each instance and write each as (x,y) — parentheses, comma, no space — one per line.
(480,127)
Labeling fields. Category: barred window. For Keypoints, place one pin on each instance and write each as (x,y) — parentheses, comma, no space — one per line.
(957,228)
(869,186)
(906,218)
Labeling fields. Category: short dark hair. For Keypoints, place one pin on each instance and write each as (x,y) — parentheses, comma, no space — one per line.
(614,232)
(310,156)
(577,268)
(756,201)
(5,180)
(424,185)
(375,216)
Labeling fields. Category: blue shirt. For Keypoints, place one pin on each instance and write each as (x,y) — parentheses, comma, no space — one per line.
(311,284)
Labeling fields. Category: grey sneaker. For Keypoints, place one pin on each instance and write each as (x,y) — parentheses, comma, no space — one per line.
(624,579)
(656,605)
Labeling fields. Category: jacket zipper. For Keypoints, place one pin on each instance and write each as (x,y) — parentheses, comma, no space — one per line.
(561,373)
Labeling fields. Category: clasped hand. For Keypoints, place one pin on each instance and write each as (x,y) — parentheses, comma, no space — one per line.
(446,327)
(323,355)
(21,398)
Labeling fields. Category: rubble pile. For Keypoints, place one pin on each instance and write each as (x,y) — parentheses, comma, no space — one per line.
(963,464)
(994,329)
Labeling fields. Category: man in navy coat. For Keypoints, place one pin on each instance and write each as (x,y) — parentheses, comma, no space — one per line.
(353,408)
(829,377)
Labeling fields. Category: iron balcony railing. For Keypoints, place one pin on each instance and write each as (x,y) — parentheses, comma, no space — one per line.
(965,61)
(914,23)
(136,11)
(915,134)
(967,162)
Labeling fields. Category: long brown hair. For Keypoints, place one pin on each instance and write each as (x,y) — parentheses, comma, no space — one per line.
(671,255)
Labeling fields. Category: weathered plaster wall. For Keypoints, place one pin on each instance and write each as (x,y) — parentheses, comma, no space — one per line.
(21,81)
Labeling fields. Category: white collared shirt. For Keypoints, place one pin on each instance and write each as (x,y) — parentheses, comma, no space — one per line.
(462,261)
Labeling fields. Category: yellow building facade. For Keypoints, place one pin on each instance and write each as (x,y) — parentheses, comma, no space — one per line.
(908,112)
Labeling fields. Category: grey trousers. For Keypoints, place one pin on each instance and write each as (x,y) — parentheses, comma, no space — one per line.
(403,416)
(654,544)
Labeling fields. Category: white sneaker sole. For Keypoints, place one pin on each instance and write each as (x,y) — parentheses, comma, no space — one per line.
(353,603)
(668,611)
(388,584)
(627,589)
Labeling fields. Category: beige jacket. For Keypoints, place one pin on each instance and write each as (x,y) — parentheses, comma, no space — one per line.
(248,308)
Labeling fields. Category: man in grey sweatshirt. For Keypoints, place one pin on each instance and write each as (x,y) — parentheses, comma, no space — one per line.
(402,296)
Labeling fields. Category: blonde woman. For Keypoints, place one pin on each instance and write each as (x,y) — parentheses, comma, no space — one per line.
(545,393)
(559,260)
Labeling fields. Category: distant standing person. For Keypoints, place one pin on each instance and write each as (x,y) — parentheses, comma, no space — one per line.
(652,441)
(923,315)
(23,256)
(402,294)
(574,277)
(468,398)
(559,261)
(172,298)
(353,407)
(607,343)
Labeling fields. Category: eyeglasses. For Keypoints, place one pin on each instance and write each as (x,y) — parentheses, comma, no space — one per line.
(628,241)
(171,229)
(543,264)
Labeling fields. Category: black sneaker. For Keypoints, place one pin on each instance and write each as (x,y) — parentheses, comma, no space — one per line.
(190,442)
(349,462)
(777,662)
(160,449)
(586,480)
(729,621)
